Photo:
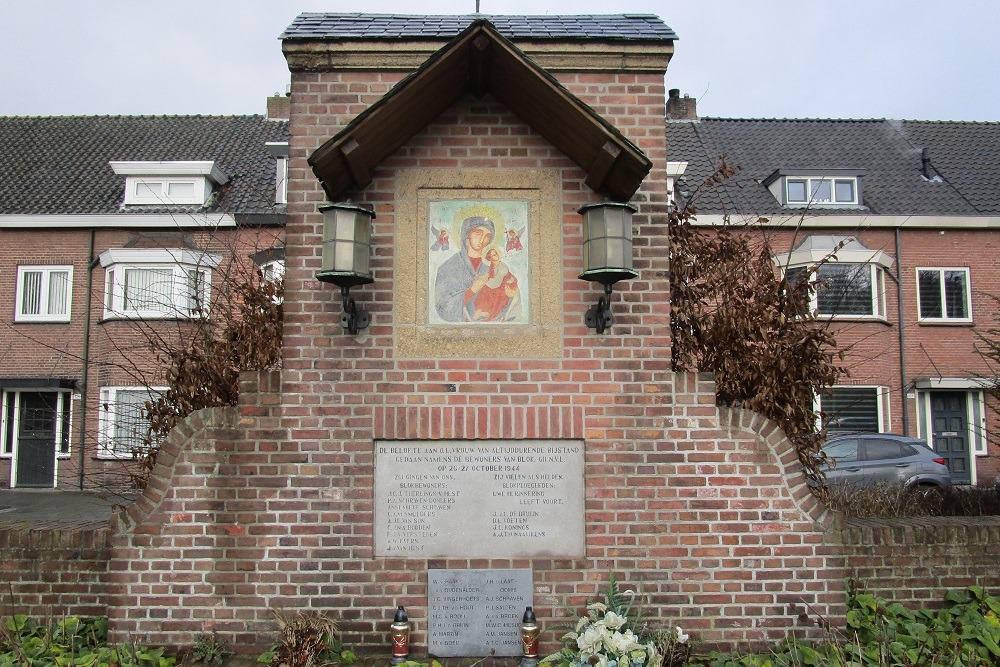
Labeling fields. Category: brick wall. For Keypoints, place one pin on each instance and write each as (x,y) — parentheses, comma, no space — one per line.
(727,541)
(712,523)
(52,572)
(916,561)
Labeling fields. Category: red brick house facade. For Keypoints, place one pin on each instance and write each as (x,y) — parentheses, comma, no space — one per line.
(112,228)
(917,227)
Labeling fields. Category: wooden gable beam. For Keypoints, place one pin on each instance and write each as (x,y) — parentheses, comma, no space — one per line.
(478,61)
(601,166)
(356,164)
(479,66)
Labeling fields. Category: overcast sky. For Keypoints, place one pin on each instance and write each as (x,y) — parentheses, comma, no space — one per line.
(914,59)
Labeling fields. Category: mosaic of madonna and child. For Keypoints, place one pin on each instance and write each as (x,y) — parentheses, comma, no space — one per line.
(478,262)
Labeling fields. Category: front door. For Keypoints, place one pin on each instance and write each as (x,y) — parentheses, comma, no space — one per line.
(950,433)
(36,438)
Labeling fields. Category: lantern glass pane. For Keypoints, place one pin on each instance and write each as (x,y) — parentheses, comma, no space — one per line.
(616,253)
(598,254)
(343,256)
(345,226)
(363,229)
(361,256)
(328,247)
(615,221)
(594,227)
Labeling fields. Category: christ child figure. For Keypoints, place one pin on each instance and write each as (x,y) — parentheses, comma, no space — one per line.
(498,287)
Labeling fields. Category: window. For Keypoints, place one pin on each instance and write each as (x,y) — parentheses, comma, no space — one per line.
(166,192)
(273,270)
(816,188)
(150,284)
(879,450)
(943,295)
(44,293)
(853,409)
(846,289)
(169,183)
(124,422)
(279,151)
(842,451)
(281,186)
(821,191)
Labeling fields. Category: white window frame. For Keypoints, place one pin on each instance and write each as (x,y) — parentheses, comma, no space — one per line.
(882,402)
(279,151)
(811,185)
(276,268)
(281,181)
(877,279)
(180,263)
(46,270)
(198,196)
(107,410)
(940,270)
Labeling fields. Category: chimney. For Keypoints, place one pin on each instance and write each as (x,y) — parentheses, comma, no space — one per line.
(681,108)
(279,106)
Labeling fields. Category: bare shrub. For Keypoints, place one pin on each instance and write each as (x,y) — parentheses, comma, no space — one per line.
(889,501)
(733,315)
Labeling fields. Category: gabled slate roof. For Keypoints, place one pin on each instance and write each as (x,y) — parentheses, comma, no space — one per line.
(59,165)
(963,154)
(480,60)
(966,155)
(645,27)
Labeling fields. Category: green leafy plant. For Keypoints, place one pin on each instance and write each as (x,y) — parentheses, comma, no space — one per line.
(72,641)
(209,649)
(966,633)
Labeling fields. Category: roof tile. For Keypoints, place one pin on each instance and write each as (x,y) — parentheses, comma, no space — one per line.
(645,27)
(889,151)
(60,164)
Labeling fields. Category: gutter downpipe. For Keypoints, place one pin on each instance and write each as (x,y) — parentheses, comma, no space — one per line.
(902,335)
(86,355)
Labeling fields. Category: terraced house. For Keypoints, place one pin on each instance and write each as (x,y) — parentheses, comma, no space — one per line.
(908,213)
(115,231)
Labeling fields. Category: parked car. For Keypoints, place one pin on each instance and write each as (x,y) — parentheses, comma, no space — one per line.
(863,459)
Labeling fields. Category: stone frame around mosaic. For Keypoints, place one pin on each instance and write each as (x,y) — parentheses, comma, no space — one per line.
(542,336)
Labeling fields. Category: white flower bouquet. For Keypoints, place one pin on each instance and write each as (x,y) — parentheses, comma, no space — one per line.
(608,636)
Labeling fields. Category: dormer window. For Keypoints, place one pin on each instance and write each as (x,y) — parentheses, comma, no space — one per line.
(169,183)
(816,188)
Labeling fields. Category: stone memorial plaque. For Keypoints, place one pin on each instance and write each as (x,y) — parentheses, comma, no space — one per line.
(479,499)
(476,613)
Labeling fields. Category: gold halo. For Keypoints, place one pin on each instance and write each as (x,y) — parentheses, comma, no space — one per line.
(479,210)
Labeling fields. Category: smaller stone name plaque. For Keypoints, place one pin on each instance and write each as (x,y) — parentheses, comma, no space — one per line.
(476,613)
